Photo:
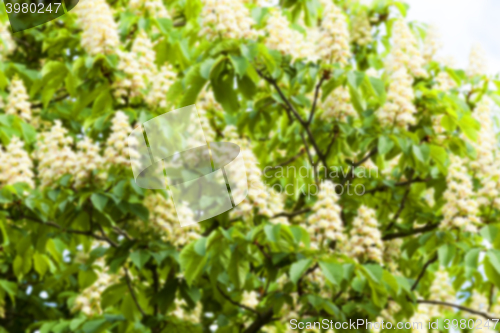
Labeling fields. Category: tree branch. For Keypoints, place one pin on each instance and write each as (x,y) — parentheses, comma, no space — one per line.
(416,231)
(261,321)
(292,214)
(236,303)
(350,173)
(315,102)
(132,293)
(422,273)
(385,187)
(293,159)
(400,210)
(71,231)
(457,306)
(296,114)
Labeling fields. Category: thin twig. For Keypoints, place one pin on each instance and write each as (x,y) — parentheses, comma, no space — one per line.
(71,231)
(350,173)
(412,232)
(291,160)
(236,303)
(132,293)
(400,210)
(296,114)
(315,102)
(457,306)
(386,187)
(422,273)
(292,214)
(311,160)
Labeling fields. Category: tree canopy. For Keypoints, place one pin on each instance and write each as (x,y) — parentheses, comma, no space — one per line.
(372,163)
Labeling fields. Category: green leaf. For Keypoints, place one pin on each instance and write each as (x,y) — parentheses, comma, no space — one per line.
(99,201)
(272,232)
(41,264)
(385,145)
(192,263)
(94,326)
(489,232)
(223,87)
(375,272)
(298,269)
(469,126)
(17,266)
(449,123)
(86,278)
(378,88)
(240,65)
(140,258)
(237,269)
(446,253)
(491,271)
(194,83)
(10,288)
(391,281)
(471,261)
(494,258)
(334,272)
(422,152)
(440,156)
(29,133)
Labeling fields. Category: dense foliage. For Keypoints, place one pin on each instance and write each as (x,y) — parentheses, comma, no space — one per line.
(373,168)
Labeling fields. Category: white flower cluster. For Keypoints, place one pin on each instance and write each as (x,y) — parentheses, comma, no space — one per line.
(445,82)
(461,208)
(486,144)
(365,243)
(161,83)
(142,77)
(325,223)
(429,197)
(142,49)
(477,62)
(154,8)
(228,19)
(338,105)
(287,41)
(15,164)
(432,44)
(333,43)
(116,146)
(267,202)
(163,221)
(486,165)
(392,252)
(100,31)
(89,159)
(7,45)
(206,102)
(423,315)
(405,52)
(361,29)
(441,288)
(18,100)
(250,299)
(399,109)
(54,153)
(89,300)
(478,302)
(182,312)
(134,82)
